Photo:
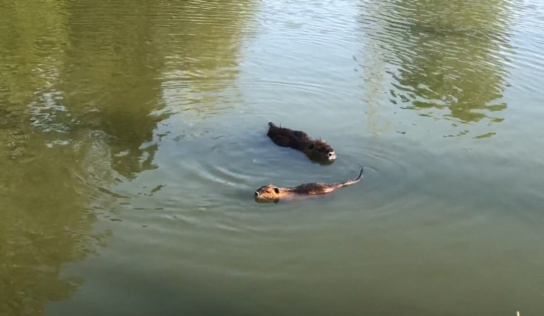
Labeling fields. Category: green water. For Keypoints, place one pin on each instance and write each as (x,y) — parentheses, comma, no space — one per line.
(133,135)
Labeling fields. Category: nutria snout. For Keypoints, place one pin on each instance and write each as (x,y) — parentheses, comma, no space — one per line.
(316,149)
(271,193)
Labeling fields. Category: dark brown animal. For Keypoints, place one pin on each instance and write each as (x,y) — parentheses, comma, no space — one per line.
(271,193)
(316,149)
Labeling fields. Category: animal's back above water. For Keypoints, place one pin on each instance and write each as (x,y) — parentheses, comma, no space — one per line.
(315,149)
(286,137)
(272,193)
(315,188)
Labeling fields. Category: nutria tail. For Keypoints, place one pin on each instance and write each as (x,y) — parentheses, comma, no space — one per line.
(350,182)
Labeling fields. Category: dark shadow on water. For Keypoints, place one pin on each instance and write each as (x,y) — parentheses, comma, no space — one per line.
(150,295)
(323,162)
(82,89)
(261,201)
(138,295)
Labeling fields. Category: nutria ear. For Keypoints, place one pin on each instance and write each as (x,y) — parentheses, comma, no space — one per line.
(311,146)
(277,190)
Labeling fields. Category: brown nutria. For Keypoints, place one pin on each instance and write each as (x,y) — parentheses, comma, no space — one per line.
(316,149)
(270,193)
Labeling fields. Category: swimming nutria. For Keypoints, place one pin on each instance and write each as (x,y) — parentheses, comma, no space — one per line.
(270,193)
(315,149)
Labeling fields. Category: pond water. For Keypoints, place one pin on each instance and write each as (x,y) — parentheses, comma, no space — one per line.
(133,135)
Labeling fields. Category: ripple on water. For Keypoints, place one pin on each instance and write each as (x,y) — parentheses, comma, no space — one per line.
(438,60)
(390,177)
(314,88)
(527,60)
(195,231)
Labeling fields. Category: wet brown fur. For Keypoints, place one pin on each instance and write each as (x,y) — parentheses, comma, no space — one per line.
(272,193)
(315,149)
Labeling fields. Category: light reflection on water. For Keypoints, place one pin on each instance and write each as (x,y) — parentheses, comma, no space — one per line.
(134,137)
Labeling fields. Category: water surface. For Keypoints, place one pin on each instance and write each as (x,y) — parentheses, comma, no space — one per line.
(133,135)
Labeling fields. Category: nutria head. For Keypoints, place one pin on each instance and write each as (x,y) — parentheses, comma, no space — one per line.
(321,151)
(267,193)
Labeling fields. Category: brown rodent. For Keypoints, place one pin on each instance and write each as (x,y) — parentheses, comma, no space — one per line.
(271,193)
(316,149)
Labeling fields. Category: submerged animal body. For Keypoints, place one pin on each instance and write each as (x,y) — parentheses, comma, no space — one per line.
(271,193)
(315,149)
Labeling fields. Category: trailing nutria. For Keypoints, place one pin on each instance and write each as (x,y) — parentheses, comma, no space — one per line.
(316,149)
(270,193)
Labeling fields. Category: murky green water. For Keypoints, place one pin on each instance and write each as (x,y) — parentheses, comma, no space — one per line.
(132,137)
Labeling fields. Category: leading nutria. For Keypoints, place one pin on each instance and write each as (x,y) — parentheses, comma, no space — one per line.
(270,193)
(316,149)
